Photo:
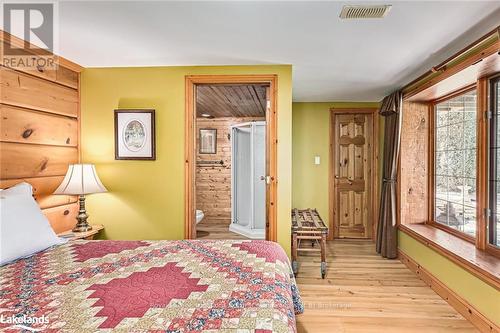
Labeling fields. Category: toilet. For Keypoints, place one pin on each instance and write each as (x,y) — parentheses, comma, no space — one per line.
(199,216)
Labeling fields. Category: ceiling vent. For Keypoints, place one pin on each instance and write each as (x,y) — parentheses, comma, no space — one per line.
(364,12)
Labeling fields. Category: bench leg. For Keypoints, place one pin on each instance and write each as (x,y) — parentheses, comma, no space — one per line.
(294,253)
(323,255)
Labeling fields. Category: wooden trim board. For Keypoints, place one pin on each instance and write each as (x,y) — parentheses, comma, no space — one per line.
(190,145)
(445,70)
(456,301)
(482,163)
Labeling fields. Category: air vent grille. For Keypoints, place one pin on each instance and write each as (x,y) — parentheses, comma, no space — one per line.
(364,12)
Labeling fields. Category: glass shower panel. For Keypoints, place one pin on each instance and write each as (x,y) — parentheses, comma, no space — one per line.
(241,180)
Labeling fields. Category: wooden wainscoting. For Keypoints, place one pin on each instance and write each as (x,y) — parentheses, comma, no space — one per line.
(39,133)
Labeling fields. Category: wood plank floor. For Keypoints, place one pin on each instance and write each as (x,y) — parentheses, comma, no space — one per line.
(215,229)
(366,293)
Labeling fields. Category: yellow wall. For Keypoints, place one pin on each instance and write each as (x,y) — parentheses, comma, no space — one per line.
(481,295)
(146,198)
(311,135)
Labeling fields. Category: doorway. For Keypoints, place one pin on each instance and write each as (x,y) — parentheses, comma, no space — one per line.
(228,115)
(353,173)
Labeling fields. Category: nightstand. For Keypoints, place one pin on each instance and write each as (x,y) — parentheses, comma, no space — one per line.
(88,235)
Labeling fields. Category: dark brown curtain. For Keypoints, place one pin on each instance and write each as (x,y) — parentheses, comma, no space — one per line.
(387,237)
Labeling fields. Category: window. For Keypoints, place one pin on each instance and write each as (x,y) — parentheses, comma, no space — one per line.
(494,157)
(455,162)
(449,162)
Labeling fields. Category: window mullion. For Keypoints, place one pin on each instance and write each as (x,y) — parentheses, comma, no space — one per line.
(482,163)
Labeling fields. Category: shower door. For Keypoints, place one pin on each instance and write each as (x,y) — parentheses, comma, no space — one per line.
(248,182)
(241,184)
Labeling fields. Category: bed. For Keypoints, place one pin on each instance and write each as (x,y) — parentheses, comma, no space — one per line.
(134,286)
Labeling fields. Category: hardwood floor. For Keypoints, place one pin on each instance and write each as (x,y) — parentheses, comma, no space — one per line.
(363,292)
(215,229)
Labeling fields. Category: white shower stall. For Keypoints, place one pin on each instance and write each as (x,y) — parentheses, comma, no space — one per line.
(248,184)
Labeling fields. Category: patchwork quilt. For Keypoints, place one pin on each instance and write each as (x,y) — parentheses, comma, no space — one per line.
(137,286)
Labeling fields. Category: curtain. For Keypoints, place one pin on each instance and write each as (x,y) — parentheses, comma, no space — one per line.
(387,241)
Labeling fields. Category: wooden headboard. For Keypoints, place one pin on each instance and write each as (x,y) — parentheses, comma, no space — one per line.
(39,127)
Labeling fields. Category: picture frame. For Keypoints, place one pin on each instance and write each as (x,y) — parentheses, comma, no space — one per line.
(135,134)
(207,141)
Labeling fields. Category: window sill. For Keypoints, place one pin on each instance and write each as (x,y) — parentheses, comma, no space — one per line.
(479,263)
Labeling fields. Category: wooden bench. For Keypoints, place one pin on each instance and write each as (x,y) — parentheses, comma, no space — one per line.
(307,226)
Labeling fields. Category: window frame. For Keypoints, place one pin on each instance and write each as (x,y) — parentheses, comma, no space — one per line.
(491,105)
(484,87)
(432,167)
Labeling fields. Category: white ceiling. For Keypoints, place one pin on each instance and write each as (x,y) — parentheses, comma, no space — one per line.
(333,60)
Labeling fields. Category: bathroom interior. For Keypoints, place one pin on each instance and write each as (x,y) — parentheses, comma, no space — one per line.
(231,161)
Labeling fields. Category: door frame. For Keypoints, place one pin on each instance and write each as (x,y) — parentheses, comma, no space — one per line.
(190,146)
(374,167)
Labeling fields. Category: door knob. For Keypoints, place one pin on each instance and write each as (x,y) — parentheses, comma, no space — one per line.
(268,179)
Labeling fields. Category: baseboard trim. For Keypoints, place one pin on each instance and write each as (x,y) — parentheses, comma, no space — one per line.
(457,302)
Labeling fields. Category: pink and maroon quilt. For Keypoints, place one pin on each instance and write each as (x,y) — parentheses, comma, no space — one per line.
(163,286)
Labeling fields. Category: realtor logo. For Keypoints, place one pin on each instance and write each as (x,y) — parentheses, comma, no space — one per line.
(22,322)
(32,23)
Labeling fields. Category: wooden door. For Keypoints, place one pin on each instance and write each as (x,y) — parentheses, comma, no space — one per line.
(352,181)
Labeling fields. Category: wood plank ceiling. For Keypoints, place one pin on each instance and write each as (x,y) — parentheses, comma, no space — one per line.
(243,100)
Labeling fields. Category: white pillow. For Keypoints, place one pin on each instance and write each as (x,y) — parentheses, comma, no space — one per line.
(24,230)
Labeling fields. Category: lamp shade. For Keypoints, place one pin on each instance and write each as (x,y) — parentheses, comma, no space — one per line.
(80,179)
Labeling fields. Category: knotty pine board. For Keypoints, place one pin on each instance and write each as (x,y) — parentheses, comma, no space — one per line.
(43,187)
(32,92)
(28,126)
(19,160)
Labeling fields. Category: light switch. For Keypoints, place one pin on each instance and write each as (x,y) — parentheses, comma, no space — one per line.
(317,160)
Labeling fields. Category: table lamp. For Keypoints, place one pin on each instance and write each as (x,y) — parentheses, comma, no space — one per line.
(81,179)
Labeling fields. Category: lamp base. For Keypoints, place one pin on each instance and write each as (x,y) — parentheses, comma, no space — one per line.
(82,228)
(82,225)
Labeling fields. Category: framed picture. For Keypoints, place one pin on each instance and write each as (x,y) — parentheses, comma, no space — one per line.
(135,135)
(208,141)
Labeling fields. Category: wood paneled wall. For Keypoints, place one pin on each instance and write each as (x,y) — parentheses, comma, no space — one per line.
(213,183)
(39,134)
(414,162)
